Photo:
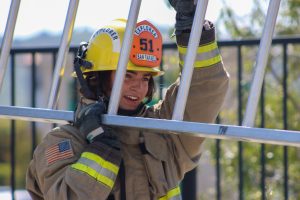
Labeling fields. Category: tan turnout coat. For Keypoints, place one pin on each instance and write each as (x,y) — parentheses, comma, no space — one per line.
(154,175)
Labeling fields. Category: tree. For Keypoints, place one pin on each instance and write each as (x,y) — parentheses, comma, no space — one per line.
(250,26)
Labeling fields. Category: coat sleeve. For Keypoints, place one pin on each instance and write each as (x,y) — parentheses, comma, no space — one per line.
(206,94)
(64,166)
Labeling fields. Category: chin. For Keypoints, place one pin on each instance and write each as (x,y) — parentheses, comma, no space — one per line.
(126,107)
(129,108)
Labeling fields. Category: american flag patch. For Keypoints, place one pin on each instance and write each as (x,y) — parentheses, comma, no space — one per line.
(60,151)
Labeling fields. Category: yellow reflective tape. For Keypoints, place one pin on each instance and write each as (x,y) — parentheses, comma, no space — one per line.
(163,198)
(200,49)
(174,192)
(100,161)
(205,63)
(93,173)
(171,193)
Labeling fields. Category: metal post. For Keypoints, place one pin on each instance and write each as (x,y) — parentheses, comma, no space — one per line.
(263,146)
(240,116)
(189,60)
(218,165)
(124,57)
(285,122)
(13,130)
(33,102)
(62,53)
(189,190)
(261,62)
(8,36)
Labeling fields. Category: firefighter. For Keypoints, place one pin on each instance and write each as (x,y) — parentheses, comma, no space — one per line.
(89,160)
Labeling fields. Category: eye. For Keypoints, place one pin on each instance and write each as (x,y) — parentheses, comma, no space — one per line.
(128,76)
(146,78)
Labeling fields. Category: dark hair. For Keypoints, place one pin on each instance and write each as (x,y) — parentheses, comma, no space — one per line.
(99,85)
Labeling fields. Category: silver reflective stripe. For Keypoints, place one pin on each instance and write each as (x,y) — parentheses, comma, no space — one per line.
(94,133)
(101,170)
(178,197)
(202,56)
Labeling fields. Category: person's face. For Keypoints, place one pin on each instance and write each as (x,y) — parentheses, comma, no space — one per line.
(135,88)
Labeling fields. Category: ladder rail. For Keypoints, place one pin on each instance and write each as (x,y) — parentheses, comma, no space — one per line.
(261,63)
(185,80)
(214,131)
(124,57)
(261,135)
(8,38)
(63,53)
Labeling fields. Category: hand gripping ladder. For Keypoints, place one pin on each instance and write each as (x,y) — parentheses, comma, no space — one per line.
(217,131)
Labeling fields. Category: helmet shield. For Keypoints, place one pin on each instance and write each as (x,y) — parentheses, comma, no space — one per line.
(146,46)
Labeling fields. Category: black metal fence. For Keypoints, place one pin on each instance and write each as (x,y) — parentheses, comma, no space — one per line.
(189,186)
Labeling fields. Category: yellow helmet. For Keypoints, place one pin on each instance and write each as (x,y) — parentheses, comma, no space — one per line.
(103,50)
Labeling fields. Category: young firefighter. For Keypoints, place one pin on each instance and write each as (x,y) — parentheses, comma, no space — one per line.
(87,160)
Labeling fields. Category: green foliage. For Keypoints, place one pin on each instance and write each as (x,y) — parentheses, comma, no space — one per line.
(248,26)
(23,149)
(5,170)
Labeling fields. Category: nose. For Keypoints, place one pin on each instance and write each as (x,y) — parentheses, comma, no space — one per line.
(137,84)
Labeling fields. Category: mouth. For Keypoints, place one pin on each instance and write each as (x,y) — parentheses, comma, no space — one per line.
(131,98)
(130,102)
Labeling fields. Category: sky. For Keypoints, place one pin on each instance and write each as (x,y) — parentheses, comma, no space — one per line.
(49,15)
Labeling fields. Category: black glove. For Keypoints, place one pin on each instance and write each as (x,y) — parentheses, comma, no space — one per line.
(185,11)
(89,122)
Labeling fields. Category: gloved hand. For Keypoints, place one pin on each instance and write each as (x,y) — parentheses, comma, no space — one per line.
(185,11)
(89,122)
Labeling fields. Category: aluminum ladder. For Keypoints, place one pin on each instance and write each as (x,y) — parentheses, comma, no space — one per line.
(217,131)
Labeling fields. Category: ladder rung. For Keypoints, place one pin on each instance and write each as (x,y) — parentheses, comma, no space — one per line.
(215,131)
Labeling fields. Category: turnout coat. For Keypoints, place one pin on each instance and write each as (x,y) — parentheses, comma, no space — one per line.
(65,166)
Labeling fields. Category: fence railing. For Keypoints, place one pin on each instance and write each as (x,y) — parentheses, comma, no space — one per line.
(189,186)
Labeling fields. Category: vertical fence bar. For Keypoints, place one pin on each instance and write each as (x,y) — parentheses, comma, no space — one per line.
(241,171)
(189,185)
(285,124)
(240,119)
(239,86)
(63,53)
(218,169)
(261,63)
(218,165)
(33,103)
(8,37)
(13,131)
(54,58)
(262,151)
(161,78)
(185,80)
(124,57)
(263,171)
(75,86)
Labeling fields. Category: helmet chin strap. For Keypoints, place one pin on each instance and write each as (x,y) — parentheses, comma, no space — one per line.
(78,62)
(83,84)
